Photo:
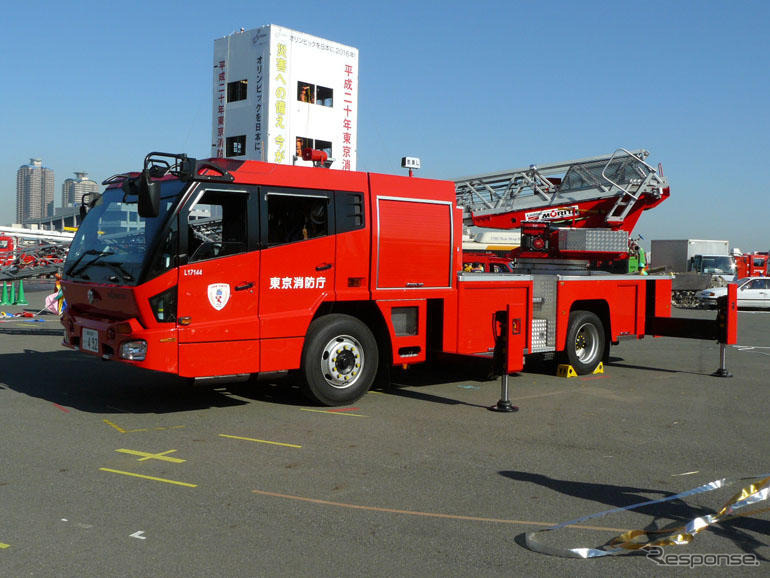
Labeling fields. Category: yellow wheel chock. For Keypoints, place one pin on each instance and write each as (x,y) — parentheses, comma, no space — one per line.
(566,370)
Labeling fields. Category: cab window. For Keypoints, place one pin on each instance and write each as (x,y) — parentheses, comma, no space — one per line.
(217,225)
(296,216)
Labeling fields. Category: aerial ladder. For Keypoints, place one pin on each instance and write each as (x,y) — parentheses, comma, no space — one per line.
(608,191)
(579,214)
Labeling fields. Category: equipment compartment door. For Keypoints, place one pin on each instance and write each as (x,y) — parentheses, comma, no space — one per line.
(218,287)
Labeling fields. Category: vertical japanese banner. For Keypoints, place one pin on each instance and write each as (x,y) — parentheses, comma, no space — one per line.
(259,145)
(349,111)
(259,87)
(278,149)
(220,98)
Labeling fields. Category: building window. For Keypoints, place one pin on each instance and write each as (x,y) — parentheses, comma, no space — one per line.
(236,146)
(302,144)
(325,146)
(306,92)
(237,90)
(324,96)
(313,94)
(318,144)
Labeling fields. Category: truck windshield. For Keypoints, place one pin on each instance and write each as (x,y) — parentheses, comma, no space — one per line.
(718,265)
(113,244)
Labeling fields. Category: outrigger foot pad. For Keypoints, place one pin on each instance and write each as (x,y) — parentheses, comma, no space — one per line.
(722,373)
(504,406)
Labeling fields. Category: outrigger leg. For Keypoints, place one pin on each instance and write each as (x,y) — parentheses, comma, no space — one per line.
(499,362)
(722,371)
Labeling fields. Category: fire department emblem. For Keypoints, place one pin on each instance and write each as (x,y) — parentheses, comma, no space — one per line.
(219,295)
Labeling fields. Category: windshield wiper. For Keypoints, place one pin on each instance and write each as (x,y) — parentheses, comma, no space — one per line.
(99,255)
(120,269)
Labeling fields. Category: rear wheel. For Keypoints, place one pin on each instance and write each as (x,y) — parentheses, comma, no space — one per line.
(585,341)
(339,361)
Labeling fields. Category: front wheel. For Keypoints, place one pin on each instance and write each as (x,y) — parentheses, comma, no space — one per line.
(584,349)
(339,361)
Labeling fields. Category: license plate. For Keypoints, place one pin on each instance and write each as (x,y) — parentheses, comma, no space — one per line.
(90,340)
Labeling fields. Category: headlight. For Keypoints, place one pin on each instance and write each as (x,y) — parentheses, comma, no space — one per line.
(134,350)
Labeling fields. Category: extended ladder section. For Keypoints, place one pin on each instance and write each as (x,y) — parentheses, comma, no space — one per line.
(607,191)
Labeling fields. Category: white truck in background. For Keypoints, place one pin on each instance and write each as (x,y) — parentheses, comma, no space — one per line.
(696,264)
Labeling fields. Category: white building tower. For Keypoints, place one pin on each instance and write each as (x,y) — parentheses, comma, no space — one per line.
(72,190)
(34,191)
(278,91)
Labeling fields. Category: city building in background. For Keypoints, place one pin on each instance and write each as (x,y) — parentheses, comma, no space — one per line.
(72,190)
(277,91)
(34,191)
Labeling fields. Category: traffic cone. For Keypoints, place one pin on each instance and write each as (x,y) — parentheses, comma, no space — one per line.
(13,293)
(20,300)
(5,300)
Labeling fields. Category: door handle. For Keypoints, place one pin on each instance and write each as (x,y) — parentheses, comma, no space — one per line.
(323,267)
(243,286)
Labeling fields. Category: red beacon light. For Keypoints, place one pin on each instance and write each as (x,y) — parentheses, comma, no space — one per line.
(318,158)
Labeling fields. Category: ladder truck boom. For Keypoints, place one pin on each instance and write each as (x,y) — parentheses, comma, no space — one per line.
(609,191)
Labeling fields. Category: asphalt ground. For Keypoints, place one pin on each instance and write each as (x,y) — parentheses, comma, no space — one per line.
(110,470)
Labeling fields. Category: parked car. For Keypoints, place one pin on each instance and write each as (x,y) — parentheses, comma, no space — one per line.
(753,292)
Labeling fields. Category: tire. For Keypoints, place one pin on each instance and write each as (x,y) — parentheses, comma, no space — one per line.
(339,360)
(584,348)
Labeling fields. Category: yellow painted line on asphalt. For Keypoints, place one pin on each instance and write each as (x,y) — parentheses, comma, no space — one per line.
(4,546)
(117,427)
(260,441)
(429,514)
(164,480)
(150,456)
(332,412)
(121,430)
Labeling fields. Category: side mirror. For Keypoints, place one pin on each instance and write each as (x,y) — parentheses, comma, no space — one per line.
(149,196)
(147,192)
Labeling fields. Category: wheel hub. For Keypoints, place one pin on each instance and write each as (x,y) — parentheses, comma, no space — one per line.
(342,361)
(586,343)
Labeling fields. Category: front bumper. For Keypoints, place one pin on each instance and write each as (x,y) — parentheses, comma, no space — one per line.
(120,341)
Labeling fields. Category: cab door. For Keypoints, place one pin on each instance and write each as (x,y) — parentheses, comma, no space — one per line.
(297,269)
(218,297)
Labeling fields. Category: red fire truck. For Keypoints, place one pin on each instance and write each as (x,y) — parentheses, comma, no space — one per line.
(755,264)
(6,250)
(229,268)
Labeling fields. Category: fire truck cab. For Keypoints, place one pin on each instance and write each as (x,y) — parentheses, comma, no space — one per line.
(256,267)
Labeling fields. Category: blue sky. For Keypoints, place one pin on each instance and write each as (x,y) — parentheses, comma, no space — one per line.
(469,87)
